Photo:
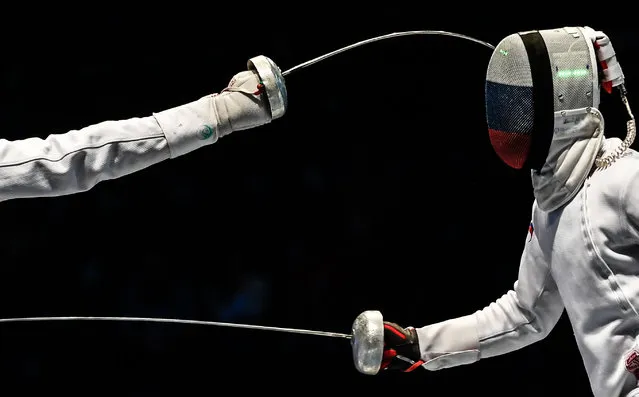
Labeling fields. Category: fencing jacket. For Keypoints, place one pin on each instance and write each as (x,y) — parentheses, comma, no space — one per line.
(582,257)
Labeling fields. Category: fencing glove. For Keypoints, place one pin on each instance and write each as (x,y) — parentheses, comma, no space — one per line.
(252,98)
(401,348)
(242,104)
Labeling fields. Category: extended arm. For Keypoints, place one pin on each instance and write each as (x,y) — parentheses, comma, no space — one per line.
(77,160)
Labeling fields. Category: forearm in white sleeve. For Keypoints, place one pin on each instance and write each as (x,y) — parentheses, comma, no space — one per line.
(77,160)
(519,318)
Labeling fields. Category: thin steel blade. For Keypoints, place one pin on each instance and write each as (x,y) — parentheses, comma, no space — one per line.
(179,321)
(386,36)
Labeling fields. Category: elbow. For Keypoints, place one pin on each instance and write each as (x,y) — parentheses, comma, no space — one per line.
(541,326)
(541,317)
(508,324)
(537,331)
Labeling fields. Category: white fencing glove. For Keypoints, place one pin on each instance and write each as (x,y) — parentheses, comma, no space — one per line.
(252,98)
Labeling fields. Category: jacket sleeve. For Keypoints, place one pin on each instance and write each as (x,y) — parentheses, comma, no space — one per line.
(77,160)
(522,316)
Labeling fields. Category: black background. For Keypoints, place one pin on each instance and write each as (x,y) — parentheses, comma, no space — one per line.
(377,190)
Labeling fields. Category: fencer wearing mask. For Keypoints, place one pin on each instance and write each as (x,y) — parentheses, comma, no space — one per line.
(581,252)
(77,160)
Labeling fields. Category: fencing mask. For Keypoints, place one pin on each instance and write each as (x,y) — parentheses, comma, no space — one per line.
(542,100)
(531,76)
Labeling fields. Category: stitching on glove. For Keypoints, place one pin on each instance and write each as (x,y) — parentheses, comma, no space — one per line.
(259,91)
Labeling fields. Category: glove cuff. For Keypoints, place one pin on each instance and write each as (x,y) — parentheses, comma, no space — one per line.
(188,127)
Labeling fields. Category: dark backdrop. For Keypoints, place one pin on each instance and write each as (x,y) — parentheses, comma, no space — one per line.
(377,190)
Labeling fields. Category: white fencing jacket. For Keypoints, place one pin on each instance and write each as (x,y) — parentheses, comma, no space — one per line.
(582,257)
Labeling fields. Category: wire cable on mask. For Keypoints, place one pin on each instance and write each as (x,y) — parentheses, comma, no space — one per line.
(631,132)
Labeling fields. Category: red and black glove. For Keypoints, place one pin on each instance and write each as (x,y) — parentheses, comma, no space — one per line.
(401,348)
